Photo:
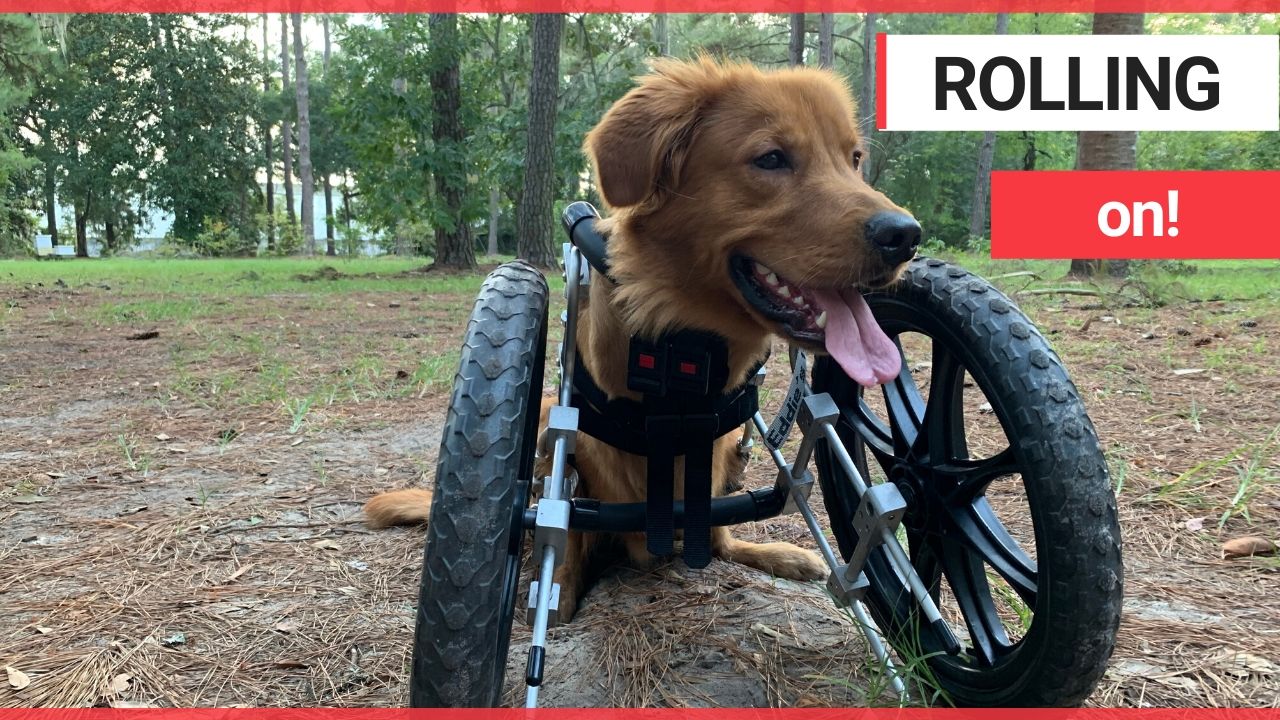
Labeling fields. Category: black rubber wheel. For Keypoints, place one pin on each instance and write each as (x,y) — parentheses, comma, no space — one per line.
(1034,630)
(471,567)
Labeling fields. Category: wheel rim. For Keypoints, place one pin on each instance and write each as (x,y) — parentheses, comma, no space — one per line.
(524,483)
(919,442)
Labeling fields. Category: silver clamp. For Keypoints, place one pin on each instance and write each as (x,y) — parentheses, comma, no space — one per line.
(562,422)
(878,515)
(553,613)
(584,268)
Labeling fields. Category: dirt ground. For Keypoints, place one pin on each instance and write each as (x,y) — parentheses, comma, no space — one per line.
(180,512)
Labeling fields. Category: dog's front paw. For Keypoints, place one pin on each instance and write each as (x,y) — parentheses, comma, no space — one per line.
(799,564)
(568,604)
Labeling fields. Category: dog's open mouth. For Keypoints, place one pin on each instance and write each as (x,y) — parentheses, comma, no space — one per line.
(838,321)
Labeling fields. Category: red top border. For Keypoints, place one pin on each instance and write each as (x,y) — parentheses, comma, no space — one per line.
(642,714)
(670,6)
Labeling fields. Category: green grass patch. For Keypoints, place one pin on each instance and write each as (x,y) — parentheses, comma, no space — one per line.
(253,277)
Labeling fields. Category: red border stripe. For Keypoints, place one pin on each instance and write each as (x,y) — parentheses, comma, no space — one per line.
(642,714)
(689,6)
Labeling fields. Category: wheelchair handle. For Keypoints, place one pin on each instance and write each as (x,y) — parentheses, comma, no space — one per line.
(579,222)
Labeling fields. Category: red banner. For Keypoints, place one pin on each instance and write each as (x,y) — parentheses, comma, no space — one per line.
(685,6)
(1185,215)
(644,714)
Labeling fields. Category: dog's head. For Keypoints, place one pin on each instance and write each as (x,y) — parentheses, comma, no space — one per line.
(738,207)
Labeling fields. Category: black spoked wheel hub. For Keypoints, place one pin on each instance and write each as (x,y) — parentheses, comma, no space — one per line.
(919,441)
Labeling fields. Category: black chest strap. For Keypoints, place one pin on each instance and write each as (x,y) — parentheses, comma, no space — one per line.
(684,410)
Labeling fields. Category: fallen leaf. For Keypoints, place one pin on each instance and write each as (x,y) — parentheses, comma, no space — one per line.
(27,499)
(985,408)
(287,626)
(174,639)
(162,437)
(240,571)
(56,475)
(176,449)
(1178,681)
(1195,524)
(358,565)
(297,442)
(130,704)
(766,630)
(326,545)
(1187,371)
(17,679)
(119,684)
(1246,546)
(43,630)
(290,664)
(1243,664)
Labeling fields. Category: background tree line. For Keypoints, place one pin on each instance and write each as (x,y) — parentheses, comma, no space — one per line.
(451,135)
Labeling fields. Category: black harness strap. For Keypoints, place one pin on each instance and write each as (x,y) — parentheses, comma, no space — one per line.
(684,411)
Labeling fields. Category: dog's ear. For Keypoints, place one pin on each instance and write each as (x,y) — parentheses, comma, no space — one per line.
(640,145)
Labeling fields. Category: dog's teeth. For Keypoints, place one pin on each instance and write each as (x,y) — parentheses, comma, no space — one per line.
(784,291)
(821,320)
(771,279)
(799,301)
(762,270)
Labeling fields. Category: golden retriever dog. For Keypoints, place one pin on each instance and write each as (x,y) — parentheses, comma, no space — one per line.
(736,206)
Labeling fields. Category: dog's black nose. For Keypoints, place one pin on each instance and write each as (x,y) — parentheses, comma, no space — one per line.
(895,235)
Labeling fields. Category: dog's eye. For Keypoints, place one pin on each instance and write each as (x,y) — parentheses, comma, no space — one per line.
(857,159)
(772,160)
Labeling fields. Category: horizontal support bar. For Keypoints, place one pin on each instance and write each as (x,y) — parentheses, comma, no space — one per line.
(589,515)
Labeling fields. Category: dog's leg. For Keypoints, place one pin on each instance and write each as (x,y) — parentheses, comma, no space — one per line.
(779,559)
(570,574)
(638,550)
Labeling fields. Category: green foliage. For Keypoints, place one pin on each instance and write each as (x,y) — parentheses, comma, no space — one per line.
(21,56)
(124,114)
(218,239)
(148,111)
(288,235)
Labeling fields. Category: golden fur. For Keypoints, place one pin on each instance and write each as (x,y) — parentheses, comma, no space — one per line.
(673,159)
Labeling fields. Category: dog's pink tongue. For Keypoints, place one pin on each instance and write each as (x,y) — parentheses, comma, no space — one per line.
(855,339)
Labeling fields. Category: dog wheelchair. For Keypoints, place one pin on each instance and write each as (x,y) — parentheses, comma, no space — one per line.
(922,560)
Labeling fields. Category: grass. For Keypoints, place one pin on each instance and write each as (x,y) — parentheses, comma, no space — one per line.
(1211,279)
(288,394)
(1249,466)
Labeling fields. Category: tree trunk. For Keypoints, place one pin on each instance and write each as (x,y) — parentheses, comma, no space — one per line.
(346,205)
(286,132)
(795,48)
(662,34)
(826,40)
(986,154)
(324,21)
(493,221)
(330,243)
(268,158)
(82,229)
(1108,150)
(110,240)
(453,239)
(867,98)
(50,199)
(330,235)
(533,219)
(308,189)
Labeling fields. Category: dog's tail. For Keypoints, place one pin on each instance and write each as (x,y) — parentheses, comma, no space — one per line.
(410,506)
